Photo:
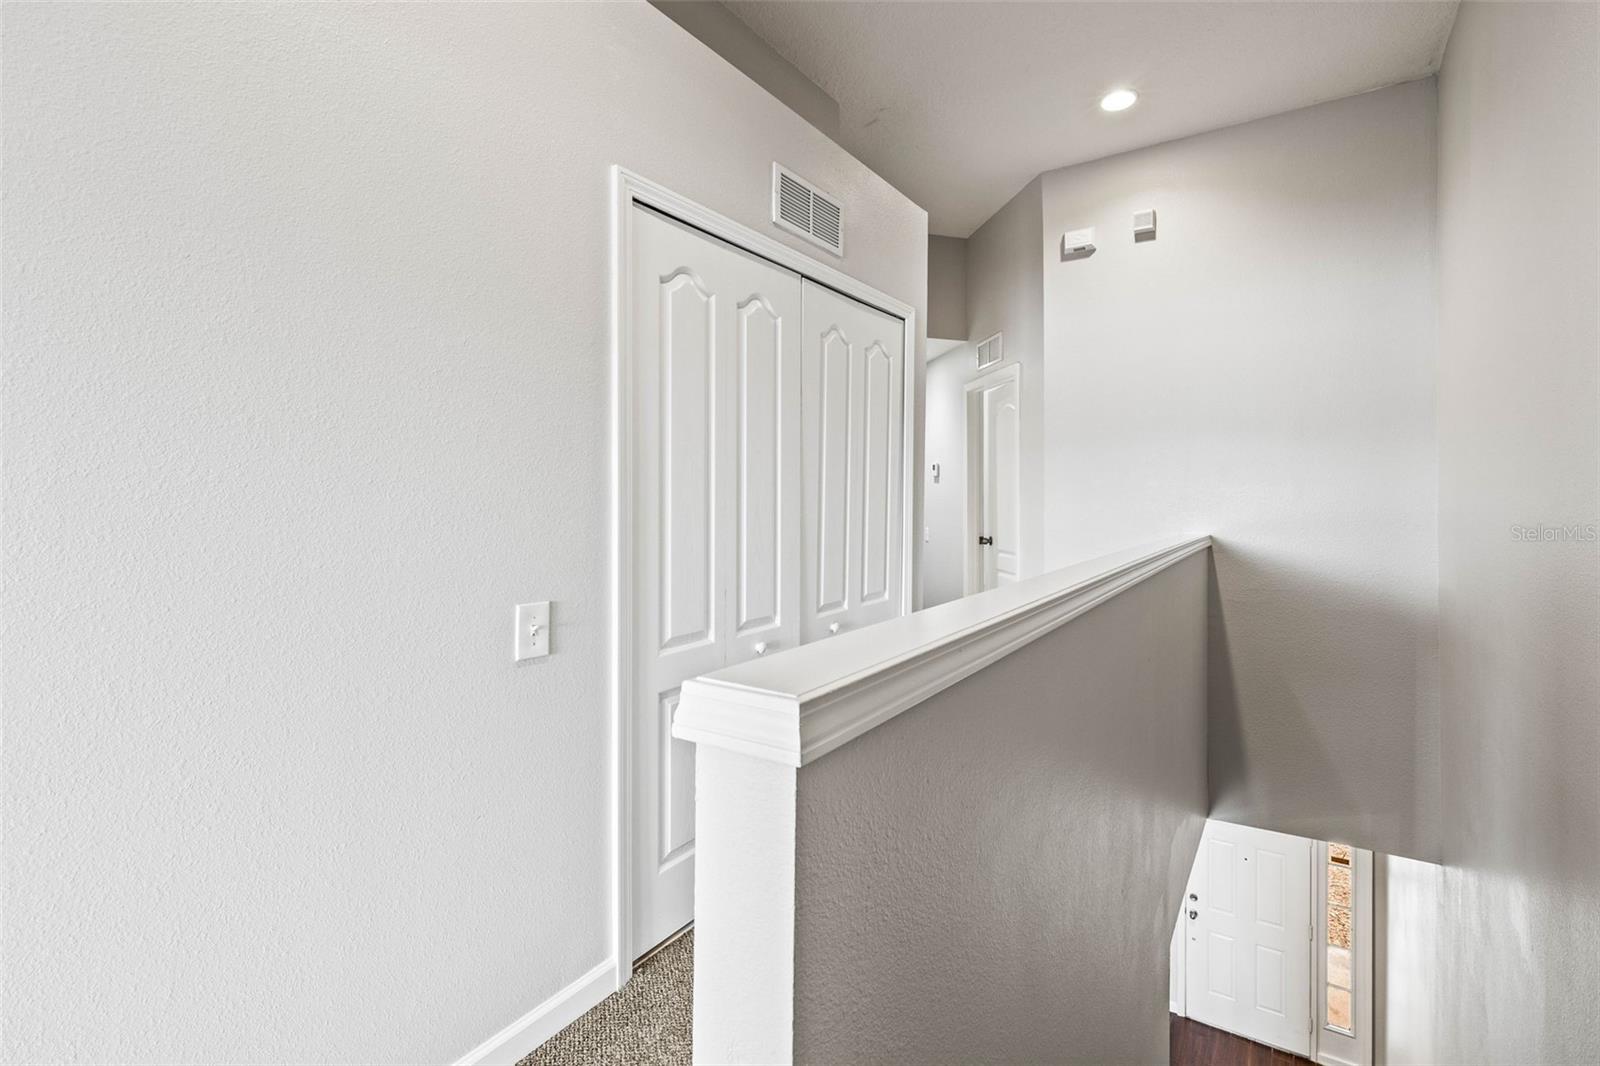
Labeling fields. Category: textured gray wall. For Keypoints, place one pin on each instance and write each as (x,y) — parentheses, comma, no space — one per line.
(1495,957)
(1263,372)
(947,288)
(993,876)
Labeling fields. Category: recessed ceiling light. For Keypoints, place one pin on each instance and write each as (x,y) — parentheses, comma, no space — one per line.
(1118,100)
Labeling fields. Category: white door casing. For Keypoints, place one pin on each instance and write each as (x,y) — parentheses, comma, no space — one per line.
(1248,949)
(853,459)
(994,454)
(716,553)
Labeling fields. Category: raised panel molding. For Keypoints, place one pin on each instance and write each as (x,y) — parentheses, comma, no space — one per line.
(1270,980)
(688,495)
(1269,888)
(1220,877)
(1219,967)
(760,452)
(833,486)
(877,423)
(675,778)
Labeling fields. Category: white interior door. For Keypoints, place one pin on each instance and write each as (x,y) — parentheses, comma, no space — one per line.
(853,359)
(716,548)
(1248,924)
(994,491)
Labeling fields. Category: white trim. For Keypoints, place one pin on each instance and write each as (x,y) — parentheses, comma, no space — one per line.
(512,1044)
(971,558)
(1361,914)
(629,188)
(797,706)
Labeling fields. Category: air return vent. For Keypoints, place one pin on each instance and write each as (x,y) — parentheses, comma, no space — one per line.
(989,352)
(800,207)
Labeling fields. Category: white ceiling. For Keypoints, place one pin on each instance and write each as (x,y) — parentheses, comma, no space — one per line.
(960,105)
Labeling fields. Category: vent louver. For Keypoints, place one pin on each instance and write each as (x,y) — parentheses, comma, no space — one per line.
(989,351)
(800,207)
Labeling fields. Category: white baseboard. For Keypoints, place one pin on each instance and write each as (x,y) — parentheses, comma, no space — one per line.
(514,1042)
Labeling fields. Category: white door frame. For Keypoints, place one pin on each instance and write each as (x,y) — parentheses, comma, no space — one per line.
(1332,1047)
(972,558)
(628,189)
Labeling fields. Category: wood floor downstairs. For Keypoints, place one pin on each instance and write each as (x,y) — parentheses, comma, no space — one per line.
(1194,1044)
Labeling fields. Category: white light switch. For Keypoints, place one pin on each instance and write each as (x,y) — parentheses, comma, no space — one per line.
(533,631)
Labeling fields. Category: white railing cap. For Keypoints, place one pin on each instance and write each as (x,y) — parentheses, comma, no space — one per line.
(800,704)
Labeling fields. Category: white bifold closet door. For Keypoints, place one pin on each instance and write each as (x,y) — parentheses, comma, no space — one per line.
(853,454)
(768,495)
(716,334)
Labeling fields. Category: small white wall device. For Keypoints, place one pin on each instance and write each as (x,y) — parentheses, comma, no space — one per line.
(533,631)
(1144,225)
(1077,244)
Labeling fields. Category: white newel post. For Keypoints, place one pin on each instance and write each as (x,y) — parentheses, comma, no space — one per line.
(744,908)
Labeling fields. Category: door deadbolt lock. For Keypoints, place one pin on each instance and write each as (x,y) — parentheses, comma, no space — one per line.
(1193,915)
(985,540)
(1193,898)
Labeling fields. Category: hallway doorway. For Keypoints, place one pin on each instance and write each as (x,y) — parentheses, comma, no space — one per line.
(994,455)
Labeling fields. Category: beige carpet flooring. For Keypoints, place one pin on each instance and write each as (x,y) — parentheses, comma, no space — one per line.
(646,1021)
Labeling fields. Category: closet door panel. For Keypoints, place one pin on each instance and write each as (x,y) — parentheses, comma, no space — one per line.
(764,597)
(854,414)
(716,556)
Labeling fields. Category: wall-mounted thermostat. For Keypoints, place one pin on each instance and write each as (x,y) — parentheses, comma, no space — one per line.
(1144,225)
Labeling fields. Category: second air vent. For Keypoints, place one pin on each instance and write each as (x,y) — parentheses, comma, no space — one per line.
(800,207)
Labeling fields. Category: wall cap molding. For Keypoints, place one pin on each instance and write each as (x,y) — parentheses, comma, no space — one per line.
(798,705)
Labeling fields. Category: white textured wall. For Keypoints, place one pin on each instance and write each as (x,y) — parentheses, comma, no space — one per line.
(944,505)
(1495,956)
(993,875)
(726,34)
(306,316)
(1264,372)
(1005,294)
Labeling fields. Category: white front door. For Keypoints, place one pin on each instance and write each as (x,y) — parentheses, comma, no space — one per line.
(1248,928)
(994,493)
(853,459)
(716,551)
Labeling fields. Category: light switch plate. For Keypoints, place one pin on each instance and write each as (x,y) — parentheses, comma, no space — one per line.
(533,631)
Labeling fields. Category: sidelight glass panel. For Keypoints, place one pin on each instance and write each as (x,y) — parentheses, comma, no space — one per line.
(1339,1009)
(1339,967)
(1339,949)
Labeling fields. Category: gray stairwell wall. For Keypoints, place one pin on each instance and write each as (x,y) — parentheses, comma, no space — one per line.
(1263,371)
(947,288)
(1495,956)
(993,875)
